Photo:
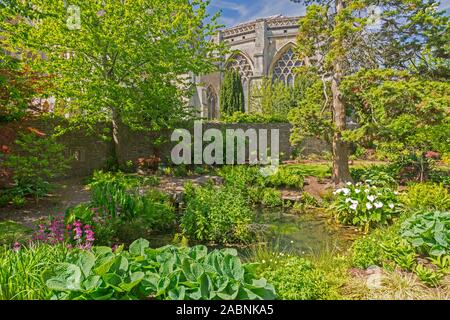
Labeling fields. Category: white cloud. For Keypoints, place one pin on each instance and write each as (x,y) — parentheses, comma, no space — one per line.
(258,9)
(243,11)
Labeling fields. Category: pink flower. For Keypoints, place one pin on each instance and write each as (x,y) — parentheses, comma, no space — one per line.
(16,246)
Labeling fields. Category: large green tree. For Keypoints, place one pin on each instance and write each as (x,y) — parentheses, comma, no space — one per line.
(119,61)
(19,83)
(398,112)
(273,98)
(340,37)
(232,93)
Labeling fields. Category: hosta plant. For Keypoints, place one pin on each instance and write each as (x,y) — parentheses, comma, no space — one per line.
(429,232)
(169,273)
(365,205)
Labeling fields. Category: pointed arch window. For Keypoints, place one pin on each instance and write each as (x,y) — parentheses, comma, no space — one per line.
(241,64)
(284,68)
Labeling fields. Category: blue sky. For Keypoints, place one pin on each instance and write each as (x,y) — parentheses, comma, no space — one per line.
(237,11)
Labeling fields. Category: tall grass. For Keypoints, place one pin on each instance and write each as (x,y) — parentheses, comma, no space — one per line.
(21,271)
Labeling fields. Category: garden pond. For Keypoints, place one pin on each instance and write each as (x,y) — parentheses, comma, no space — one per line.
(289,231)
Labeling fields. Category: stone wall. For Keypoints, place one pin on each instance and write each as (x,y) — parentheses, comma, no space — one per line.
(141,144)
(91,152)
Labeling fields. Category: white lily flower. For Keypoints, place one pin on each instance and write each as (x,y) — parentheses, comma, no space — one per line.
(357,191)
(354,206)
(348,200)
(378,204)
(369,205)
(366,190)
(337,191)
(349,183)
(371,198)
(346,191)
(391,205)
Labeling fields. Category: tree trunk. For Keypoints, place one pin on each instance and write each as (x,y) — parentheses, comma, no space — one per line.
(341,172)
(116,122)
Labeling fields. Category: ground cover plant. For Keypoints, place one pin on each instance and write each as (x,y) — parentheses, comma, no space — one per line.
(417,244)
(167,273)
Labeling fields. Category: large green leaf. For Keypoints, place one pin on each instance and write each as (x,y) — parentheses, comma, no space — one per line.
(91,283)
(66,277)
(84,259)
(104,264)
(114,281)
(138,247)
(132,281)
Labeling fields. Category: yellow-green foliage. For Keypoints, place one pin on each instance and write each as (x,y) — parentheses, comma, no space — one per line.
(426,196)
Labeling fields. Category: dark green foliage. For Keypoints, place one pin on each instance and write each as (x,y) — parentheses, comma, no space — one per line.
(232,94)
(312,116)
(123,209)
(167,273)
(377,175)
(36,161)
(429,232)
(398,112)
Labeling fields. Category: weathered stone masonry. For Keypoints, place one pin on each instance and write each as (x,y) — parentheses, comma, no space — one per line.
(92,152)
(260,48)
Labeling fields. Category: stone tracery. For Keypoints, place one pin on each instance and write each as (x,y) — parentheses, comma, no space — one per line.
(284,68)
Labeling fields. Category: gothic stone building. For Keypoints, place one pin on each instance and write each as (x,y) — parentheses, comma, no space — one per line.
(258,49)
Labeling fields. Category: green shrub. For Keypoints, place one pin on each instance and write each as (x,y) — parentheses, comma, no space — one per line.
(441,177)
(36,161)
(400,252)
(380,176)
(426,196)
(218,214)
(428,276)
(367,252)
(231,93)
(152,211)
(241,176)
(429,232)
(167,273)
(286,176)
(295,278)
(120,195)
(21,269)
(271,197)
(365,206)
(412,167)
(306,202)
